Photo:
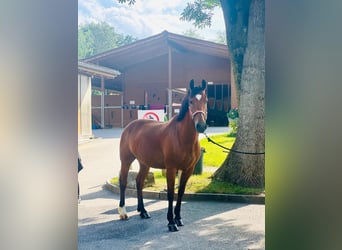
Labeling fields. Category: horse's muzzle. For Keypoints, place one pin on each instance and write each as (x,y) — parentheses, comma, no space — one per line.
(201,127)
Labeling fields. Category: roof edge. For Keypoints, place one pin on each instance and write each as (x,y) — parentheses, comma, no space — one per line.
(97,70)
(164,34)
(125,47)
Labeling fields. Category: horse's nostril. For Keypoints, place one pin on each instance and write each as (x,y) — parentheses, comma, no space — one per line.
(201,127)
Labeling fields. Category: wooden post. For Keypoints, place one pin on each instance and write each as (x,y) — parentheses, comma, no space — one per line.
(170,83)
(102,101)
(122,122)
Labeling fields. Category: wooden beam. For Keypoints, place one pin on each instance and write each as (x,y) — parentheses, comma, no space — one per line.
(170,82)
(102,101)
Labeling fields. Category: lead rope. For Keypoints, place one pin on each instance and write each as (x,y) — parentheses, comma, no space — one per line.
(232,150)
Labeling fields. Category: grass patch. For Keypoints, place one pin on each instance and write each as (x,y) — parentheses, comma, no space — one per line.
(199,184)
(214,155)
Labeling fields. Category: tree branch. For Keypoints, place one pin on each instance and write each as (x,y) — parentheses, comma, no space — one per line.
(200,12)
(130,2)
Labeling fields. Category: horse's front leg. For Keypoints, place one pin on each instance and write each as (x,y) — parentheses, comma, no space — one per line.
(181,189)
(170,178)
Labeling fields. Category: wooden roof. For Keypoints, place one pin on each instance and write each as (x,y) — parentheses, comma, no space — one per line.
(146,49)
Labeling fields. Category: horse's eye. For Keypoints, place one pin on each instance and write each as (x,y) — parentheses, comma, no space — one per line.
(190,102)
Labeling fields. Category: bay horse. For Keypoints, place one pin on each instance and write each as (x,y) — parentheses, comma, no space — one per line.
(171,145)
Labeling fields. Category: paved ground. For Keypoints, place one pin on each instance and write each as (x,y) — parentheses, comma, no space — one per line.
(208,225)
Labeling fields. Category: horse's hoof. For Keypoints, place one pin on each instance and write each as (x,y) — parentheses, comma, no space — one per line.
(123,217)
(173,228)
(123,213)
(179,222)
(145,215)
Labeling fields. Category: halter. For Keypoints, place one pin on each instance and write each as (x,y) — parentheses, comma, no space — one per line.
(197,112)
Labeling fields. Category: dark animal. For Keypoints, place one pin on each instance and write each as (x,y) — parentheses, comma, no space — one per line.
(172,146)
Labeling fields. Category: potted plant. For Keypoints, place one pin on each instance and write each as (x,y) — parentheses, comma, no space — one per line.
(233,114)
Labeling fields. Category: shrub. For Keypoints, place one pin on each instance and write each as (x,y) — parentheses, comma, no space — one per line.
(233,114)
(234,125)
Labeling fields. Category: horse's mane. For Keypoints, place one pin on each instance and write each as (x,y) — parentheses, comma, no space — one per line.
(185,103)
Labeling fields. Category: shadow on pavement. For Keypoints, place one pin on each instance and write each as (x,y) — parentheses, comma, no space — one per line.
(208,225)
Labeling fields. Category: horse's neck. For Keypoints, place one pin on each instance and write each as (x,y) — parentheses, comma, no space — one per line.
(186,130)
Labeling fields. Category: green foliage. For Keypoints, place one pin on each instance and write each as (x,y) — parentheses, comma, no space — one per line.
(192,33)
(200,12)
(85,43)
(130,2)
(94,38)
(233,113)
(234,125)
(227,188)
(96,92)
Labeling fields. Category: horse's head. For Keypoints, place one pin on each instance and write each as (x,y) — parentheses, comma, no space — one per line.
(198,105)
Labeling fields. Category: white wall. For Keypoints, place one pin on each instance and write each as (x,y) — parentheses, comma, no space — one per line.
(84,107)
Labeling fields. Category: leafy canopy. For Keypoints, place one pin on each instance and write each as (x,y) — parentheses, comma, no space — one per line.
(200,12)
(94,38)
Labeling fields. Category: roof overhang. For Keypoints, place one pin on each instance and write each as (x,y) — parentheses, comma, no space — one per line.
(155,46)
(96,70)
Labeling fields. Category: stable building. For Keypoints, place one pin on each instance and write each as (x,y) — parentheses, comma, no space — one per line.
(154,75)
(86,73)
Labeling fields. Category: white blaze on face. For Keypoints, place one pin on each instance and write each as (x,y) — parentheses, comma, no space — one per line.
(198,97)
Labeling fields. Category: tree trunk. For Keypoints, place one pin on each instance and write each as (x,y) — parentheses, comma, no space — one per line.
(242,169)
(236,14)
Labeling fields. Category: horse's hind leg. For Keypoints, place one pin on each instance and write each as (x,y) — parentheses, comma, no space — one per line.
(125,164)
(140,185)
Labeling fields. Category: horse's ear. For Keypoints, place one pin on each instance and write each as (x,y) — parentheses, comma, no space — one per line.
(204,84)
(192,84)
